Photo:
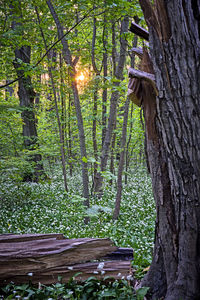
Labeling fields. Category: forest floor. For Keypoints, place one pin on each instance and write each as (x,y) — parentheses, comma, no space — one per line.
(46,208)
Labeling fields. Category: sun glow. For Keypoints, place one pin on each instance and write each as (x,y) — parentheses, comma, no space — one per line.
(80,77)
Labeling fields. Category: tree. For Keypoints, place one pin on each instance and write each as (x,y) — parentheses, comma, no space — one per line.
(113,104)
(72,63)
(173,147)
(26,95)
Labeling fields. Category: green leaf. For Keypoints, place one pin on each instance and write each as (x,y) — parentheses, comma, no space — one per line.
(84,159)
(140,293)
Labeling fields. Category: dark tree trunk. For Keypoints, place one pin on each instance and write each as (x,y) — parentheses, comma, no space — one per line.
(26,96)
(173,147)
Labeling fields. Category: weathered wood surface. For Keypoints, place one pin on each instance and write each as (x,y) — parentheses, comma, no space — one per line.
(114,269)
(47,256)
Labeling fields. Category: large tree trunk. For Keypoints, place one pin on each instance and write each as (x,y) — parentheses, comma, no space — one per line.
(173,147)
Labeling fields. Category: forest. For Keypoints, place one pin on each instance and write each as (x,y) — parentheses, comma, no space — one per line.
(99,138)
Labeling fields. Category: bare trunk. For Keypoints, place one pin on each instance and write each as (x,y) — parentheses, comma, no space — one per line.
(112,154)
(68,60)
(173,147)
(26,95)
(127,159)
(70,136)
(62,150)
(95,98)
(121,161)
(105,74)
(113,105)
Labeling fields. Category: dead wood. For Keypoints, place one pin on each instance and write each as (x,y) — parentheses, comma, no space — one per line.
(47,256)
(138,30)
(116,270)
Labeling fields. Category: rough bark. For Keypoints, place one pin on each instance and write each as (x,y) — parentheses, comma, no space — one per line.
(174,147)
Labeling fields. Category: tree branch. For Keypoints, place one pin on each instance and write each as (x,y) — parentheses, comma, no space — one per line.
(138,30)
(132,73)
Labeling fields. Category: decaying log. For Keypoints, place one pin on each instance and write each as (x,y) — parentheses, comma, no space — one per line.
(138,30)
(114,269)
(47,256)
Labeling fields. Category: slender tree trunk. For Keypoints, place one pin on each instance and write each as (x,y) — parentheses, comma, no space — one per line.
(105,74)
(112,154)
(127,160)
(70,136)
(173,147)
(113,105)
(121,160)
(95,98)
(62,149)
(68,59)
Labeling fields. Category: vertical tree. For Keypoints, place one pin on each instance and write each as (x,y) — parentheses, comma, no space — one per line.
(67,56)
(113,103)
(61,131)
(26,96)
(173,147)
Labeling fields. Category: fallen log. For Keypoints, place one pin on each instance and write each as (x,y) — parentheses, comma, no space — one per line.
(43,258)
(80,272)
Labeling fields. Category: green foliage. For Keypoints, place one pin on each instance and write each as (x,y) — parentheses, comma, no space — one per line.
(45,207)
(90,289)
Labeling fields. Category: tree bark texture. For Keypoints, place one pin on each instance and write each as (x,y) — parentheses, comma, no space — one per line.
(173,147)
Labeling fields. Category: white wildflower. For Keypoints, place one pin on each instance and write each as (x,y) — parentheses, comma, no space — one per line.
(70,268)
(103,272)
(30,274)
(129,277)
(95,272)
(119,274)
(101,265)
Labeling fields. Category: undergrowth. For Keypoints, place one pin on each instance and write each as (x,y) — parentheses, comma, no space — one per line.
(46,208)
